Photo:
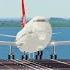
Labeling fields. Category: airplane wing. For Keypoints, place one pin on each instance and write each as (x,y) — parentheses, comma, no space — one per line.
(8,43)
(57,43)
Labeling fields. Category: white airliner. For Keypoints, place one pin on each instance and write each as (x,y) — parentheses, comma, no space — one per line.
(34,35)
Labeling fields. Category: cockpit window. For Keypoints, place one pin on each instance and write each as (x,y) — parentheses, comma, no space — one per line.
(40,20)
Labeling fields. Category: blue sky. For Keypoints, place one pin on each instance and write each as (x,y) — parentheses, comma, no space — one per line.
(47,8)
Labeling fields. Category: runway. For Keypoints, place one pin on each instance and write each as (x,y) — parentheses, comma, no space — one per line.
(24,65)
(35,64)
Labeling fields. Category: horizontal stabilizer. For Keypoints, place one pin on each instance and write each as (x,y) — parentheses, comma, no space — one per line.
(7,35)
(57,33)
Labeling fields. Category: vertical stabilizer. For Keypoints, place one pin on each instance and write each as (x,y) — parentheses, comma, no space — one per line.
(23,19)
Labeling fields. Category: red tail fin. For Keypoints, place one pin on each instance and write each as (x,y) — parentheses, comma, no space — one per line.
(23,20)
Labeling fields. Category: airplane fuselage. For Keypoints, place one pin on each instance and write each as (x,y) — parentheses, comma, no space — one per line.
(35,35)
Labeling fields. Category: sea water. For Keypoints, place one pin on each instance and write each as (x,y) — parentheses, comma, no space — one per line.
(63,34)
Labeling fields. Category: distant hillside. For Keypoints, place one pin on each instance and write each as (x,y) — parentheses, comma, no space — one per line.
(59,22)
(55,22)
(9,23)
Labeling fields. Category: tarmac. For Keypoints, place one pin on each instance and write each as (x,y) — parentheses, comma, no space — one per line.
(44,64)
